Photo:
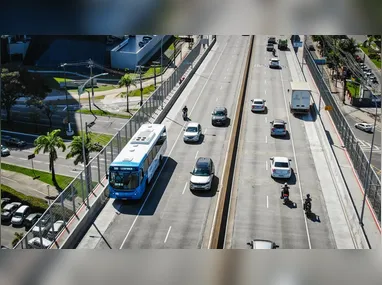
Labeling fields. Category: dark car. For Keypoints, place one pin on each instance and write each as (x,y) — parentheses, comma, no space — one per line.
(31,220)
(311,48)
(219,116)
(270,47)
(272,40)
(8,211)
(5,201)
(10,141)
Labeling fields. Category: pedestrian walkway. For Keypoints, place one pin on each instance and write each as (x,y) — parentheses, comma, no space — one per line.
(371,227)
(26,185)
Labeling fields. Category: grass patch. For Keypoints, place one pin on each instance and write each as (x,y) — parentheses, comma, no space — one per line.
(100,113)
(137,92)
(61,79)
(45,177)
(102,139)
(36,204)
(353,89)
(150,71)
(376,62)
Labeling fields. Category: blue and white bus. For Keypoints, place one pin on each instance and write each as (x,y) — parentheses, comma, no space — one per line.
(133,169)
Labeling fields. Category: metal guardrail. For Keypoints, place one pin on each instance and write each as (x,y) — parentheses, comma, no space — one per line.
(76,194)
(358,157)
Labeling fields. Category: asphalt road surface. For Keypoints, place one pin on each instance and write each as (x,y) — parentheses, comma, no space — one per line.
(365,143)
(103,124)
(173,216)
(259,212)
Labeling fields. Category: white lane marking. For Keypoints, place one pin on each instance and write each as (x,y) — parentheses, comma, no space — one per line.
(164,164)
(217,99)
(295,159)
(196,155)
(266,165)
(227,69)
(265,119)
(221,87)
(225,77)
(266,139)
(168,232)
(184,189)
(267,202)
(205,131)
(22,158)
(265,91)
(265,81)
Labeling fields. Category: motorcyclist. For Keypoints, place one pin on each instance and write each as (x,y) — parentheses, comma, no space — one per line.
(285,190)
(185,110)
(308,200)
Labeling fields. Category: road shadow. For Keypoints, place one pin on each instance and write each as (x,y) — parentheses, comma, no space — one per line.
(291,181)
(329,136)
(208,194)
(309,117)
(225,125)
(132,207)
(290,204)
(313,217)
(286,137)
(6,223)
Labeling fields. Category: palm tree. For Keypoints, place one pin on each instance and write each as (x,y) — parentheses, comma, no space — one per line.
(17,238)
(126,80)
(50,143)
(76,149)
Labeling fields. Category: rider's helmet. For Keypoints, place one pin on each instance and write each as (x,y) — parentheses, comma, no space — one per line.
(285,184)
(308,196)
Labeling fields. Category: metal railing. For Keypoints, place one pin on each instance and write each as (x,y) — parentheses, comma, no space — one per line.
(357,155)
(76,195)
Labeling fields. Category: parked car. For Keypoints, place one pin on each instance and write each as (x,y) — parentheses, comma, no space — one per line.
(219,116)
(202,175)
(31,220)
(5,151)
(274,63)
(262,244)
(8,211)
(258,105)
(57,227)
(11,141)
(280,167)
(311,48)
(4,247)
(36,243)
(272,40)
(5,201)
(20,215)
(42,226)
(278,128)
(364,127)
(270,47)
(192,132)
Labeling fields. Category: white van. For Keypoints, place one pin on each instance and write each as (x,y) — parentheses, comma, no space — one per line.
(20,215)
(274,63)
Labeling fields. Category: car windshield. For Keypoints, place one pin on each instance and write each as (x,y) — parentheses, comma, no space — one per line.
(18,214)
(124,180)
(281,164)
(192,129)
(258,102)
(278,126)
(201,171)
(219,113)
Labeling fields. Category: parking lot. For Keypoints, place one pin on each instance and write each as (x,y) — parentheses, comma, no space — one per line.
(8,233)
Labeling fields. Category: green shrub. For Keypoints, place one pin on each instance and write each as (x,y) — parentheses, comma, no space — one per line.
(374,56)
(36,204)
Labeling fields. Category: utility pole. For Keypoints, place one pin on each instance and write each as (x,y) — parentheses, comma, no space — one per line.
(91,82)
(161,61)
(140,82)
(156,64)
(69,131)
(344,73)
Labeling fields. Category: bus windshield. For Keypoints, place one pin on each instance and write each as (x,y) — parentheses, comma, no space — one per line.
(124,180)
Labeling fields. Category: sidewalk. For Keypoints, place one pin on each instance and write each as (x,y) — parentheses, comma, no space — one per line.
(354,187)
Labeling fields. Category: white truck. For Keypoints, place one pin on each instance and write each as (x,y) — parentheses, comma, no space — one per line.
(300,97)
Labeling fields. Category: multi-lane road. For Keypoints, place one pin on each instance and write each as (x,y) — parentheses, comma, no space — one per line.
(257,212)
(170,215)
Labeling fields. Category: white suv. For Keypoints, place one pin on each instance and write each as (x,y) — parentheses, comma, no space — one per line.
(192,132)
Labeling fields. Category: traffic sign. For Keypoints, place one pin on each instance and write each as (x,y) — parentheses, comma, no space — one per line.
(328,108)
(31,156)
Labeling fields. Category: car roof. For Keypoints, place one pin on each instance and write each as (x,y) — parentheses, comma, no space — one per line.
(281,159)
(262,244)
(278,121)
(31,216)
(258,99)
(22,208)
(192,124)
(220,109)
(275,59)
(203,162)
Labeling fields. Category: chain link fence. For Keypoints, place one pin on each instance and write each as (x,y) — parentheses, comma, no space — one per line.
(369,179)
(76,195)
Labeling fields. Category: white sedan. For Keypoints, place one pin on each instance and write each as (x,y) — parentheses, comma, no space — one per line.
(258,105)
(364,127)
(192,132)
(280,167)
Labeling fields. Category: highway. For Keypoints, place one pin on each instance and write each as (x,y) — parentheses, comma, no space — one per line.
(256,210)
(170,215)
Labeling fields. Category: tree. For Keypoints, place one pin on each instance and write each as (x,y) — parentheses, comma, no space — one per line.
(48,109)
(11,90)
(126,80)
(76,149)
(17,238)
(35,118)
(349,46)
(49,143)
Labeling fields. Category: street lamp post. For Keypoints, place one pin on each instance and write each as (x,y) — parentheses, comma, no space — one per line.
(140,83)
(161,61)
(155,65)
(69,131)
(80,91)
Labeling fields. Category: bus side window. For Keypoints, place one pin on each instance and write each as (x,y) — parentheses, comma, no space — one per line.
(142,175)
(146,165)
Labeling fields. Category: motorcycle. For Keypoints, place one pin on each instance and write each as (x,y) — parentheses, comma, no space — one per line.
(184,115)
(307,207)
(285,197)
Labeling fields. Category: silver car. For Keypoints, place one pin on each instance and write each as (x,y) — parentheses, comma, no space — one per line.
(4,151)
(364,127)
(192,132)
(278,128)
